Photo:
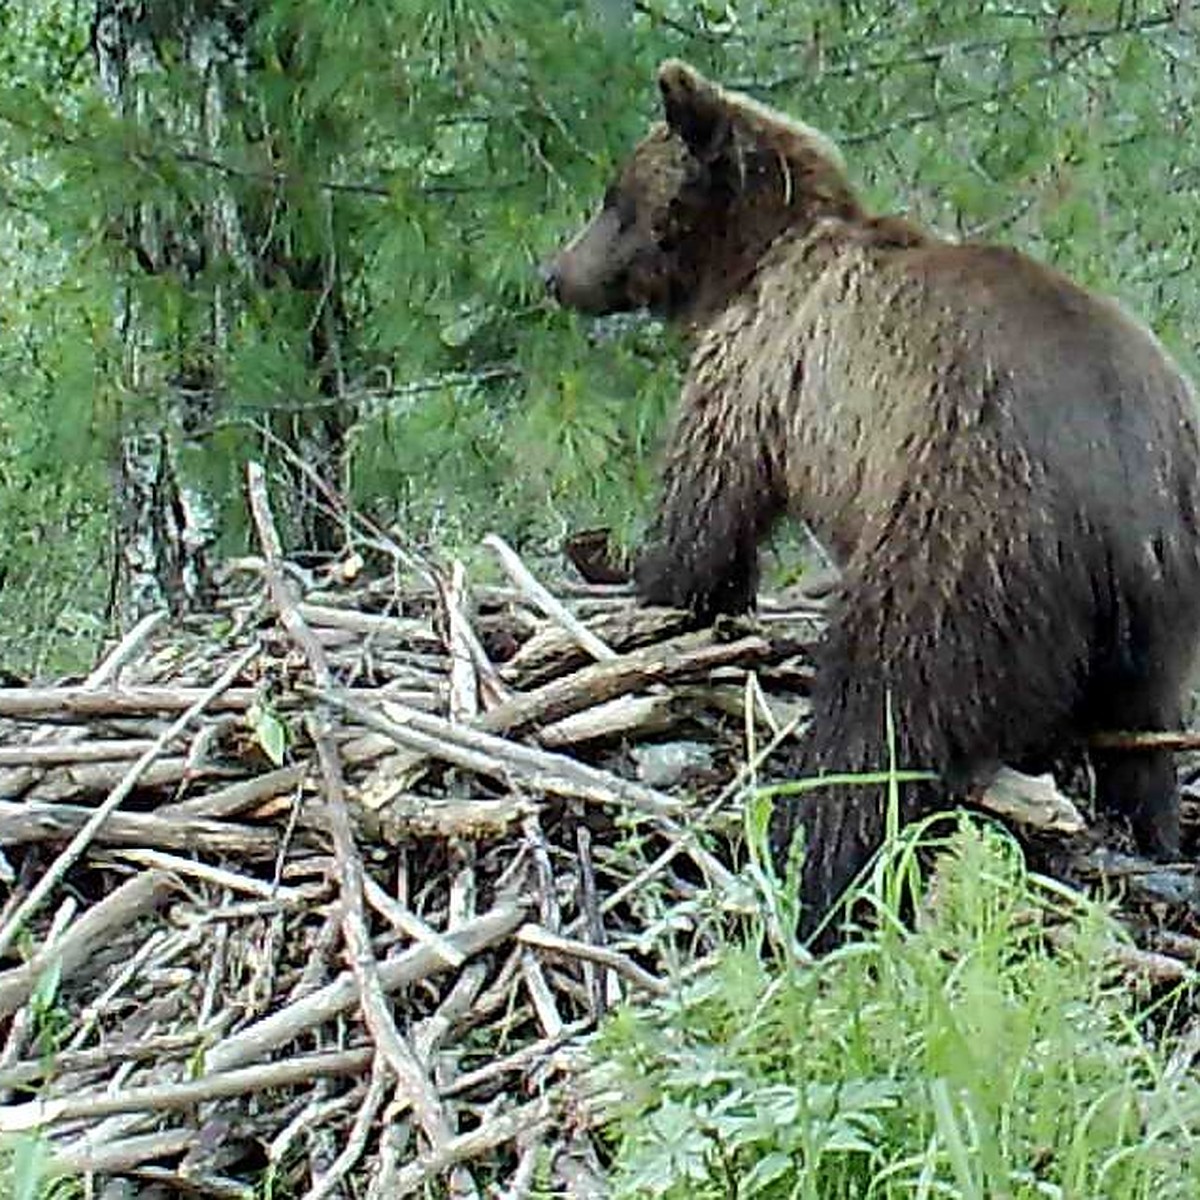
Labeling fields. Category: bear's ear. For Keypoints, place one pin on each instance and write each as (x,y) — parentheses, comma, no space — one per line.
(696,109)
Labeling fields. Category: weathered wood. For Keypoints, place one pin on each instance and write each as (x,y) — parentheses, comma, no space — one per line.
(80,841)
(65,783)
(414,630)
(35,822)
(626,716)
(169,1097)
(542,599)
(680,658)
(503,760)
(1032,800)
(552,651)
(256,1041)
(72,703)
(236,798)
(49,754)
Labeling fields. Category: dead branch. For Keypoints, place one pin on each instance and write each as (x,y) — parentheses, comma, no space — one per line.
(501,759)
(412,1081)
(234,881)
(1183,739)
(84,1158)
(35,822)
(238,797)
(405,969)
(82,839)
(54,753)
(527,1120)
(683,657)
(569,948)
(185,1095)
(541,599)
(82,702)
(341,973)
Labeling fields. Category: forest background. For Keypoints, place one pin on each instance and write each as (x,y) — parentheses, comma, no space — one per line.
(308,233)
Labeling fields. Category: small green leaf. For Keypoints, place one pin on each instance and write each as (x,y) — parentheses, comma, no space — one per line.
(28,1167)
(765,1172)
(269,731)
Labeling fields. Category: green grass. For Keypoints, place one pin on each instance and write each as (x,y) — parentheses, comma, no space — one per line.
(992,1051)
(23,1172)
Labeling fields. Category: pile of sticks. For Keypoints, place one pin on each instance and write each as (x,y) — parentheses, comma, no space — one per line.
(331,884)
(329,887)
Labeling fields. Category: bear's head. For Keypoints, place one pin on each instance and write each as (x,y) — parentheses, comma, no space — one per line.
(699,201)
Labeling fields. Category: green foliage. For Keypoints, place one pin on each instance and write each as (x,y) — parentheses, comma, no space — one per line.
(270,731)
(993,1052)
(393,174)
(23,1174)
(49,1017)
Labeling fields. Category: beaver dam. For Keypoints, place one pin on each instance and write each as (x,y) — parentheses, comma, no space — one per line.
(339,877)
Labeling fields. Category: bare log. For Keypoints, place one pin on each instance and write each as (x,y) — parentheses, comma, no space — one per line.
(55,822)
(681,658)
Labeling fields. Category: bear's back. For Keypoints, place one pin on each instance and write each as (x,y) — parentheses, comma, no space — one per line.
(1086,390)
(969,369)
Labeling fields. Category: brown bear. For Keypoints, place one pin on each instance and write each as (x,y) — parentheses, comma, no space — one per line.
(1005,466)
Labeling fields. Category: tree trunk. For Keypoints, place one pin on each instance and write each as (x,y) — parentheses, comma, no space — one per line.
(163,527)
(181,72)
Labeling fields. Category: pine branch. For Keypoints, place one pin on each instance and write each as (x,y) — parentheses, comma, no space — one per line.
(934,55)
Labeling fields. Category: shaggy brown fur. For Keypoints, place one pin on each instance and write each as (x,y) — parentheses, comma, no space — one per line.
(1004,465)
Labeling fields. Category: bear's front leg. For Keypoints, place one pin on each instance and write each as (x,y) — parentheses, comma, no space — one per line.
(720,495)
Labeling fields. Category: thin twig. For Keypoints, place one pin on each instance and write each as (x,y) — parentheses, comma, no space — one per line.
(126,650)
(260,1038)
(172,1097)
(1184,739)
(533,935)
(526,1120)
(500,758)
(93,929)
(234,881)
(555,609)
(360,1132)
